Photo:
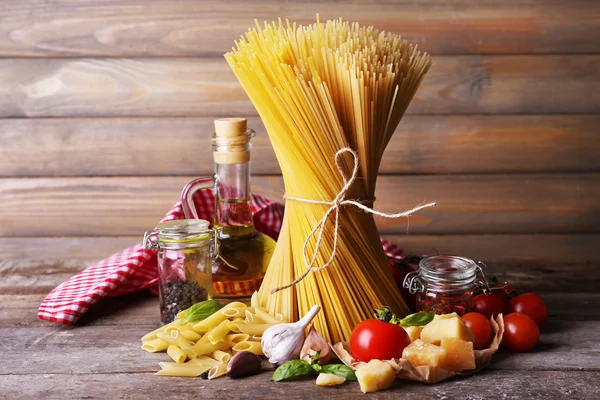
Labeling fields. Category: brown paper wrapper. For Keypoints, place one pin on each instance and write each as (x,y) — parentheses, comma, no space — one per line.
(405,370)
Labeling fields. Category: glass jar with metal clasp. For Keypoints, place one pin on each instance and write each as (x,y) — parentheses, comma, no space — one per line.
(185,252)
(446,284)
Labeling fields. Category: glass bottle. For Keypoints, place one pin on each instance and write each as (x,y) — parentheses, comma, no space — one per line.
(185,250)
(244,253)
(445,284)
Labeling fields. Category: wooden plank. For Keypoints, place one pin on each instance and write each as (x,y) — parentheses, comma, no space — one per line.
(25,277)
(35,28)
(488,385)
(69,350)
(466,203)
(493,248)
(422,144)
(196,86)
(20,310)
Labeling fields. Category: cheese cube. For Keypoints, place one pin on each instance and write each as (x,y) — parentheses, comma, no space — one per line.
(376,375)
(421,353)
(414,332)
(329,379)
(446,327)
(444,316)
(460,354)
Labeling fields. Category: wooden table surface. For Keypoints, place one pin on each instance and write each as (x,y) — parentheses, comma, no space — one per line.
(101,356)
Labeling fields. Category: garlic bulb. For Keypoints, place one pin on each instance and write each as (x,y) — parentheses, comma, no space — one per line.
(283,342)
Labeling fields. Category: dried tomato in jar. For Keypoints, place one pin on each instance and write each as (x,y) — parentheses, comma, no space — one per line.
(445,283)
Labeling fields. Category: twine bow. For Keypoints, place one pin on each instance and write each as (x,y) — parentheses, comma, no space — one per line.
(335,205)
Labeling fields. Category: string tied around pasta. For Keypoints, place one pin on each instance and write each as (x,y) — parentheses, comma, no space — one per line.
(335,205)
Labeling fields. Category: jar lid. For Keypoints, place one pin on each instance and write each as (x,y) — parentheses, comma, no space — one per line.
(183,234)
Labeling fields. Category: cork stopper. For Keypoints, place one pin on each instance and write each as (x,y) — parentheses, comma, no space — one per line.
(231,141)
(226,127)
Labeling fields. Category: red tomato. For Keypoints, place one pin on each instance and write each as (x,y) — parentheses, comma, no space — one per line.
(481,328)
(378,340)
(521,333)
(531,305)
(488,305)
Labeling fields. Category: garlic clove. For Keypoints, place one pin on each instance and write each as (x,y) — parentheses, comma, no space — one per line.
(283,342)
(313,343)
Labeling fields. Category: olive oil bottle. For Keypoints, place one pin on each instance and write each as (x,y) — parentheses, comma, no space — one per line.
(244,253)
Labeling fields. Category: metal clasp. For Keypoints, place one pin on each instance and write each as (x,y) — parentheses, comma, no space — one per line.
(214,250)
(413,283)
(151,240)
(482,281)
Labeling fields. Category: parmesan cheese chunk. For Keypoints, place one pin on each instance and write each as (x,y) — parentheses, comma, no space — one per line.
(460,354)
(440,328)
(421,353)
(376,375)
(414,332)
(329,379)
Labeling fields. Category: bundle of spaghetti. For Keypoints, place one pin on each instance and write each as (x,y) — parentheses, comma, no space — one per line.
(318,89)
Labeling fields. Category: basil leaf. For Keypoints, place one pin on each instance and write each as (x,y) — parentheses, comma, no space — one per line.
(340,370)
(201,311)
(417,319)
(316,367)
(291,369)
(315,358)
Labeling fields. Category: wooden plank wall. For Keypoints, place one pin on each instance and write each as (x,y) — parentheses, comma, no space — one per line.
(106,109)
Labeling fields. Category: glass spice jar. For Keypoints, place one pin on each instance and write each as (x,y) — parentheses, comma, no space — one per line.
(445,284)
(185,251)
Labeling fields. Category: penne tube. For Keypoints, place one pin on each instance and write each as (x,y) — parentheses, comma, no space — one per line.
(176,354)
(252,318)
(152,335)
(190,352)
(183,370)
(219,332)
(256,338)
(155,345)
(190,335)
(235,304)
(175,338)
(254,299)
(206,360)
(221,356)
(209,323)
(217,371)
(203,348)
(252,329)
(233,326)
(265,316)
(235,338)
(234,312)
(181,315)
(253,347)
(279,317)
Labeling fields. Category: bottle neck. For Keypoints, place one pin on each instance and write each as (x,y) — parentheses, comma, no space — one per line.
(233,204)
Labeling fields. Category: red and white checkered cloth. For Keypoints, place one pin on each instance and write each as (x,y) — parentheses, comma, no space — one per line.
(135,268)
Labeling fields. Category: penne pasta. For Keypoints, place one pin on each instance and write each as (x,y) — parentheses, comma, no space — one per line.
(221,356)
(152,335)
(253,347)
(190,352)
(234,312)
(234,338)
(217,371)
(210,322)
(206,360)
(181,315)
(252,318)
(176,354)
(254,300)
(252,329)
(175,338)
(233,326)
(219,332)
(202,348)
(155,345)
(236,304)
(265,316)
(183,370)
(190,335)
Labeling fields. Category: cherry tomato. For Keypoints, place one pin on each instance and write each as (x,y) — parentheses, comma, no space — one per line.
(481,328)
(531,305)
(373,339)
(488,305)
(521,333)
